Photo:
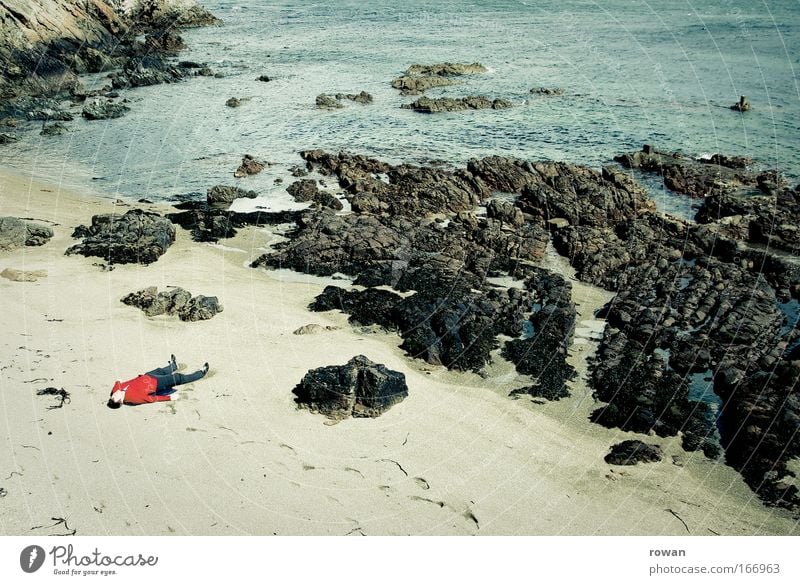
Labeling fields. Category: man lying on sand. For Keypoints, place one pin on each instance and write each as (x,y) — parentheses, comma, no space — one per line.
(154,386)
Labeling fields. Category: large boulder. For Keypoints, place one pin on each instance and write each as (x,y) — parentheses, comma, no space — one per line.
(360,388)
(136,237)
(15,233)
(103,109)
(632,452)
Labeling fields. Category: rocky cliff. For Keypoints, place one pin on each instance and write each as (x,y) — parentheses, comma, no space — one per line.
(45,43)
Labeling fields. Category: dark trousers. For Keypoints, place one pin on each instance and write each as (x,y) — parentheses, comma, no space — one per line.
(168,378)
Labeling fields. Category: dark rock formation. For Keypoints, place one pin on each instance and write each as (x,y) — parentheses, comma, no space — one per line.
(760,420)
(306,190)
(264,78)
(446,69)
(210,223)
(135,237)
(15,233)
(758,219)
(103,109)
(632,452)
(149,69)
(233,102)
(427,105)
(249,166)
(174,301)
(39,42)
(360,388)
(361,97)
(743,105)
(697,177)
(7,138)
(542,354)
(54,129)
(223,195)
(454,316)
(326,101)
(547,91)
(419,78)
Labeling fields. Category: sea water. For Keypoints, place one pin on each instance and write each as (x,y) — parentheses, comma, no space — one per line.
(633,72)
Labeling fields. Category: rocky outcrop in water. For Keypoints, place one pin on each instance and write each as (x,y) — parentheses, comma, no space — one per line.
(547,91)
(743,105)
(16,233)
(699,177)
(427,105)
(360,388)
(250,166)
(327,101)
(174,301)
(137,236)
(419,78)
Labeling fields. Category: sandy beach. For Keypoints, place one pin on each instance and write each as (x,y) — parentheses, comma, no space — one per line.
(236,456)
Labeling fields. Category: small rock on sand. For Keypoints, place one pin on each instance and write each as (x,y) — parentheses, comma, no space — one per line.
(23,275)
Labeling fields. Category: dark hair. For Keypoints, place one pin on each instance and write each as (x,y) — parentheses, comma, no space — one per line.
(112,404)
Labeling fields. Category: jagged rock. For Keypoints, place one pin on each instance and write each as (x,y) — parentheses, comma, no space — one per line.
(743,105)
(15,233)
(47,114)
(210,223)
(326,101)
(200,308)
(360,388)
(136,237)
(765,219)
(429,106)
(759,428)
(222,194)
(414,85)
(233,102)
(54,129)
(306,190)
(446,69)
(547,91)
(103,109)
(694,177)
(361,97)
(249,166)
(175,301)
(632,452)
(149,69)
(419,78)
(7,138)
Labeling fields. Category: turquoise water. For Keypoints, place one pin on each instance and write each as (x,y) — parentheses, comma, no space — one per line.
(634,72)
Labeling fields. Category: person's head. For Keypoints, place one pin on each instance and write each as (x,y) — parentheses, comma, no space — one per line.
(117,398)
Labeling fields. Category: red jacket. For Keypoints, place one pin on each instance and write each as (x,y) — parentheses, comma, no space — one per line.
(139,390)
